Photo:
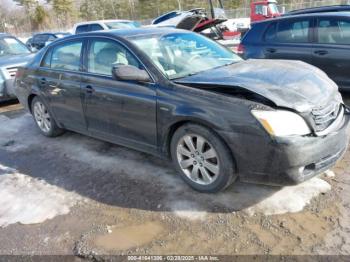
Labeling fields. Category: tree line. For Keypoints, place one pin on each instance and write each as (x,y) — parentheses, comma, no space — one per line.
(35,15)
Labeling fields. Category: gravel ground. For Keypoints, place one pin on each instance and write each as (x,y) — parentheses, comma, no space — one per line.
(77,195)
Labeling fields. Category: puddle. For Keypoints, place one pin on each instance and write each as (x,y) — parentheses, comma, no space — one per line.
(123,238)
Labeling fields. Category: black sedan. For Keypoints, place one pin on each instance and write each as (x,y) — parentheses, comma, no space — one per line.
(41,40)
(179,95)
(320,39)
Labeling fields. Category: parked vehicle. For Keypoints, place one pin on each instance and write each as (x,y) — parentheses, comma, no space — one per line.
(320,9)
(321,39)
(196,20)
(13,54)
(38,41)
(99,25)
(261,10)
(179,95)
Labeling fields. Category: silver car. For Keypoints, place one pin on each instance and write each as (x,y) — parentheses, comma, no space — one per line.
(13,54)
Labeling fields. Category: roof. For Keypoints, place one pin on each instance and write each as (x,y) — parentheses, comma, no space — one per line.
(134,32)
(331,8)
(332,14)
(102,21)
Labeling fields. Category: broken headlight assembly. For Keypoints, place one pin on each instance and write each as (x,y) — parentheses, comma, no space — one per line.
(282,122)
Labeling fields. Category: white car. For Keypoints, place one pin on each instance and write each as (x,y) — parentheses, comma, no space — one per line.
(103,25)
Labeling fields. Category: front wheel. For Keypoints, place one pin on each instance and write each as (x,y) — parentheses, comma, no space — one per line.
(202,159)
(43,119)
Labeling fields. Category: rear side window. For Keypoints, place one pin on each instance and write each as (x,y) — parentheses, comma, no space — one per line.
(293,31)
(270,34)
(334,31)
(82,29)
(67,56)
(41,38)
(96,27)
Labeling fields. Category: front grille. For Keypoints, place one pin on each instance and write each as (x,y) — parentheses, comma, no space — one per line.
(12,71)
(325,116)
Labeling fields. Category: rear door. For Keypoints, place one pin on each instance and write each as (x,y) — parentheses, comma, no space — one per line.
(289,39)
(59,79)
(331,51)
(118,111)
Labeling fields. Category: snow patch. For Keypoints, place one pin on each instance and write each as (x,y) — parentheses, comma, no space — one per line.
(27,200)
(329,174)
(188,210)
(96,153)
(290,199)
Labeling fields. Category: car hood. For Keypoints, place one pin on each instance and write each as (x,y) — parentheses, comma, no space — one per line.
(289,84)
(11,60)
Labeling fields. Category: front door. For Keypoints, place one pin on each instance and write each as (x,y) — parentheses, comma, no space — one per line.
(119,111)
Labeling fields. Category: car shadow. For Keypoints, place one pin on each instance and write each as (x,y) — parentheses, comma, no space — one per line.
(115,175)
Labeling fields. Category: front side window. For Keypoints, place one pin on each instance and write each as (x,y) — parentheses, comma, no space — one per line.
(293,31)
(67,56)
(259,9)
(181,54)
(11,46)
(334,31)
(104,54)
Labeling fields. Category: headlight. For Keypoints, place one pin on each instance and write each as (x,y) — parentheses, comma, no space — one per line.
(282,123)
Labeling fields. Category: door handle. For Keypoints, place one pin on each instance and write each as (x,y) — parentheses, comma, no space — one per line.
(43,81)
(89,89)
(321,52)
(271,50)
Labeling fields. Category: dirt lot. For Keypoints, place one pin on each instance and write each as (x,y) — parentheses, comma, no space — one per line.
(77,195)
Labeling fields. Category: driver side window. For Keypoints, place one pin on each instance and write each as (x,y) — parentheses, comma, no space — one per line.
(104,54)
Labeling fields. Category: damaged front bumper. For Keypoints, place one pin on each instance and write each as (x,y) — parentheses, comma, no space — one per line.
(289,160)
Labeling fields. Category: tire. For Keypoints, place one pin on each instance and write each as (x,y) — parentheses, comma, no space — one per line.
(207,165)
(43,119)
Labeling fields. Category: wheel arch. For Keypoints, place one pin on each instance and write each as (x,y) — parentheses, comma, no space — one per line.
(181,122)
(30,100)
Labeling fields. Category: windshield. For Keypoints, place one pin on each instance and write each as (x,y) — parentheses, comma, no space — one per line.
(181,54)
(11,46)
(273,8)
(122,25)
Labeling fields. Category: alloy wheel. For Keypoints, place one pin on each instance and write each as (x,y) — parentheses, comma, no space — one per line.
(42,117)
(198,159)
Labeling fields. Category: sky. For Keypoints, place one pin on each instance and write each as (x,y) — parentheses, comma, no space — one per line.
(8,3)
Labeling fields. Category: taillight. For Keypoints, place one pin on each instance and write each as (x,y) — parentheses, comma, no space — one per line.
(240,49)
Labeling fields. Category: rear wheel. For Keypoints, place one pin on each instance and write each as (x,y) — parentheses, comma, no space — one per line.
(43,119)
(202,158)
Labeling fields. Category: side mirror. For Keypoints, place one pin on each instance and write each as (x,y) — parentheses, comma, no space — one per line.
(265,11)
(130,73)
